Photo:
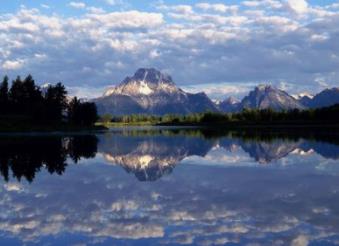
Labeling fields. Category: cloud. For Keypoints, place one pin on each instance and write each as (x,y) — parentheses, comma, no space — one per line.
(45,6)
(114,2)
(217,7)
(77,5)
(13,65)
(204,43)
(298,6)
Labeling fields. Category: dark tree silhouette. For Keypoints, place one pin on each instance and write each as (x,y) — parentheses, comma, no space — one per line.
(56,102)
(4,96)
(23,157)
(84,114)
(25,96)
(24,102)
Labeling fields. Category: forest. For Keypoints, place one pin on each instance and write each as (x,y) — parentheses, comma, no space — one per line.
(23,104)
(247,117)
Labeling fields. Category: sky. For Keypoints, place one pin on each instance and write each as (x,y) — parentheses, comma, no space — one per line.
(221,47)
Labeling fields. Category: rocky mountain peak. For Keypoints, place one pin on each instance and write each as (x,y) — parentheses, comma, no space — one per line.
(264,87)
(145,81)
(151,75)
(267,96)
(151,91)
(231,100)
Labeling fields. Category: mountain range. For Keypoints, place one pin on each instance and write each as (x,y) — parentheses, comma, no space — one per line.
(149,91)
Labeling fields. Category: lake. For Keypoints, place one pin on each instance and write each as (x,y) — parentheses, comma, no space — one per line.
(170,186)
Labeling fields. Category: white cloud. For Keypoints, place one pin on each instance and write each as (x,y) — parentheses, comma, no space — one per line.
(114,2)
(13,65)
(274,4)
(298,6)
(203,43)
(45,6)
(77,5)
(217,7)
(252,3)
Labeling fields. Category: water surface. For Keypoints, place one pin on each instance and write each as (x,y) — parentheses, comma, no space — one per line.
(170,186)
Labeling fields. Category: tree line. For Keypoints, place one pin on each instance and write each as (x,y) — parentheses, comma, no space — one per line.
(247,116)
(24,100)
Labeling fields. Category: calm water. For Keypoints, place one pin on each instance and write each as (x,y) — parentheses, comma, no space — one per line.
(170,187)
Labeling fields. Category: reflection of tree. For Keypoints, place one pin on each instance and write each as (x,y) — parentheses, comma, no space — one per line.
(24,156)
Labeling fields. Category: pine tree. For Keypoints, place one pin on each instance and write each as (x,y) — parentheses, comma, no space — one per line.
(4,103)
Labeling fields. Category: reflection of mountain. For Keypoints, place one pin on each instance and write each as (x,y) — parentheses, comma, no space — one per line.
(266,152)
(151,155)
(149,158)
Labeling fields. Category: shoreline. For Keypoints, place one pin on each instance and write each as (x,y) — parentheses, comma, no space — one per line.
(225,125)
(49,129)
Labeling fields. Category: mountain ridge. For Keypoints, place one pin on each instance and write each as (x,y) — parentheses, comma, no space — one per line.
(150,91)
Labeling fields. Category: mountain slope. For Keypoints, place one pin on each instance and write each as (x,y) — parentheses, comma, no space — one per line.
(325,98)
(230,105)
(152,92)
(266,96)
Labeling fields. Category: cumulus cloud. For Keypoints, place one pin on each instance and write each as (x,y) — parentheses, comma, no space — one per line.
(299,6)
(203,43)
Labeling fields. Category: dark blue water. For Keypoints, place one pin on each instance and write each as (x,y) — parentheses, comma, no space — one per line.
(170,187)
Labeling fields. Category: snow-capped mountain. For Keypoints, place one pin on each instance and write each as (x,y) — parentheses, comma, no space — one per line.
(267,96)
(150,91)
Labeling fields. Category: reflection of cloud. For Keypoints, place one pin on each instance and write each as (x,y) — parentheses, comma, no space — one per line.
(196,204)
(13,187)
(215,204)
(301,240)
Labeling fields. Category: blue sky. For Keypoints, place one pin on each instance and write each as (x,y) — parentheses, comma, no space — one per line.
(221,47)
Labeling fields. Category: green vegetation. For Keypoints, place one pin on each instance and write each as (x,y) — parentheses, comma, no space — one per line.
(25,107)
(267,117)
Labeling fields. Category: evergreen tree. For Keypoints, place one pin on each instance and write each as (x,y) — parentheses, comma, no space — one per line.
(56,102)
(4,103)
(73,110)
(84,114)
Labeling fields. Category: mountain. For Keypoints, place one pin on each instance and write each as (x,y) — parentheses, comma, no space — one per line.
(305,101)
(266,96)
(325,98)
(230,105)
(152,92)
